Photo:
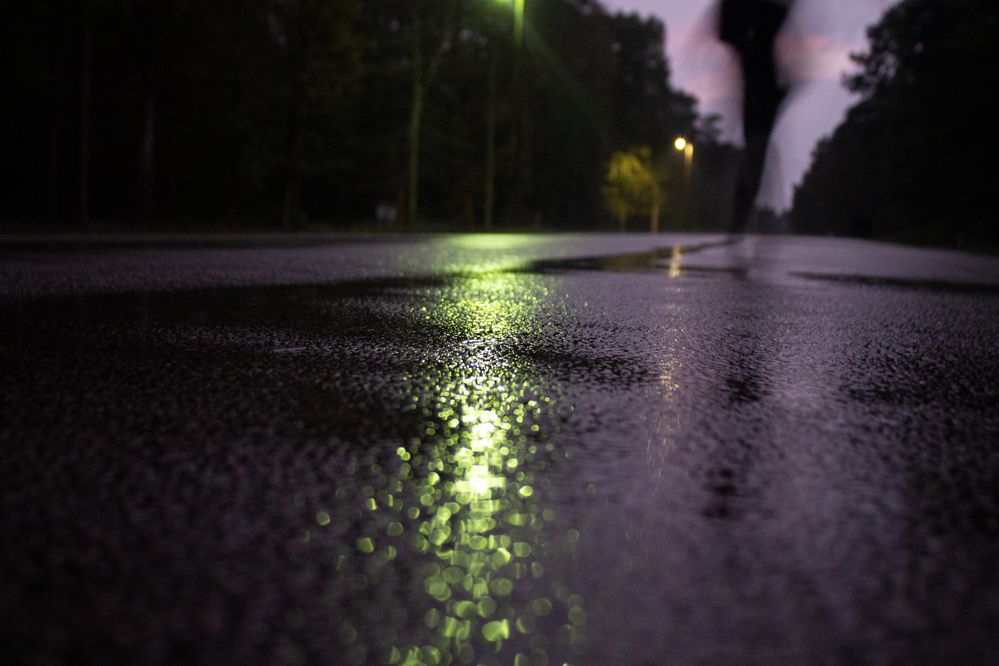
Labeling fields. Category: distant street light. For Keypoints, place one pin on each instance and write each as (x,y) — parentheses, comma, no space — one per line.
(687,148)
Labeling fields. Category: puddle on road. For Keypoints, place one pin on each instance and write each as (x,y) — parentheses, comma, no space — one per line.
(670,260)
(673,262)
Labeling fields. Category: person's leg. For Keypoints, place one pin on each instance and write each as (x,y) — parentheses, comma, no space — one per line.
(751,27)
(749,178)
(761,101)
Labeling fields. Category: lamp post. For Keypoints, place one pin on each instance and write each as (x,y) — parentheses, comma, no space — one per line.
(681,144)
(519,138)
(518,21)
(518,36)
(687,148)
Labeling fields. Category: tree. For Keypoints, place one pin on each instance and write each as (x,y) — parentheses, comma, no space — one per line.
(430,29)
(646,108)
(86,76)
(633,186)
(324,59)
(913,159)
(266,112)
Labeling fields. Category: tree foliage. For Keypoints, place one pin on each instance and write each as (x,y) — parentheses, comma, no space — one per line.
(285,111)
(633,186)
(912,160)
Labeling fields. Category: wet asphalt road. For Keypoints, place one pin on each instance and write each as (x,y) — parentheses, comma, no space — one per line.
(496,450)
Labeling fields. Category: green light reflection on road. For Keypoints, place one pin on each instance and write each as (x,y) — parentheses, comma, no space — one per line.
(475,521)
(482,254)
(492,242)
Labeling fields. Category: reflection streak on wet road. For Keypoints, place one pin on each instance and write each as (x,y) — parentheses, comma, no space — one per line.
(498,449)
(469,490)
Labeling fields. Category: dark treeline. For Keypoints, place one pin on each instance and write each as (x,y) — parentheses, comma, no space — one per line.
(285,113)
(914,160)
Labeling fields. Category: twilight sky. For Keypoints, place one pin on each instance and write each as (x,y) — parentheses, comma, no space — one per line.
(819,38)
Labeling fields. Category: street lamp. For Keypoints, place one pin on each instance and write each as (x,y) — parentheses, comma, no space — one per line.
(517,196)
(518,20)
(687,148)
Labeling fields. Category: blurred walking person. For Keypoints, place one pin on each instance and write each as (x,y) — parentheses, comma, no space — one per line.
(751,28)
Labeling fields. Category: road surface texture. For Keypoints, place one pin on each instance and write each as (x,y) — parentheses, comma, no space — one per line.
(497,450)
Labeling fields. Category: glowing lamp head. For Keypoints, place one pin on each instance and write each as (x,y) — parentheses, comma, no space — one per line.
(680,143)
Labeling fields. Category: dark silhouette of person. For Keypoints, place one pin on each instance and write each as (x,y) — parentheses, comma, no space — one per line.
(751,27)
